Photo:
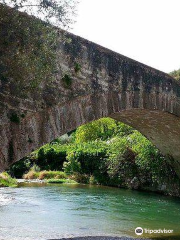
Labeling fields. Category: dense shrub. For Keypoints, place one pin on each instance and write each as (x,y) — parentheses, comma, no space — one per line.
(18,169)
(51,157)
(7,181)
(121,162)
(72,165)
(149,159)
(79,177)
(89,159)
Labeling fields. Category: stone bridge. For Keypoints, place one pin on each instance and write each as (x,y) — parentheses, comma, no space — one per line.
(91,82)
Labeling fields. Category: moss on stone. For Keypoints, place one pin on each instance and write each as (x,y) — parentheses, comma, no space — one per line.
(67,80)
(15,118)
(77,67)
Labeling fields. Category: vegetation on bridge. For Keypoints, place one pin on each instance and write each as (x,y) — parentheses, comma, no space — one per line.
(176,74)
(56,12)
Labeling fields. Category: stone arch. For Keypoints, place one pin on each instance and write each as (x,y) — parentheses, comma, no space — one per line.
(160,127)
(107,84)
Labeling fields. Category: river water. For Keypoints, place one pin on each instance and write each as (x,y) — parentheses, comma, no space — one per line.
(38,212)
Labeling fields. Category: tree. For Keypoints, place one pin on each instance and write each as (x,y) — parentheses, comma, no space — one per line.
(58,12)
(28,45)
(175,74)
(103,129)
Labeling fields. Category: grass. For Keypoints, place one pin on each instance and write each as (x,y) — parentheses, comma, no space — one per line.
(7,181)
(49,176)
(45,175)
(31,175)
(61,181)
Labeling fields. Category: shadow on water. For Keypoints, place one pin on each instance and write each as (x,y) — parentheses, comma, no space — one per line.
(98,238)
(121,238)
(167,238)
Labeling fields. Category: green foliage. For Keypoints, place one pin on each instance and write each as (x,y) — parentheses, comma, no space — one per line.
(92,180)
(149,159)
(15,118)
(23,115)
(65,139)
(21,167)
(101,129)
(80,178)
(52,157)
(28,52)
(77,67)
(105,152)
(88,159)
(61,181)
(53,11)
(120,162)
(67,80)
(72,165)
(35,168)
(52,174)
(30,140)
(7,181)
(118,155)
(123,129)
(175,74)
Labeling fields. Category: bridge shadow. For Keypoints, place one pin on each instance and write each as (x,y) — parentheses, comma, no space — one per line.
(103,238)
(120,238)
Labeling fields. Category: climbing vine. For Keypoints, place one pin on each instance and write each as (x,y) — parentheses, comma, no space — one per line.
(28,51)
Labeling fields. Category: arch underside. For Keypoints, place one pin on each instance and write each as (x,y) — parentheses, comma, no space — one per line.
(161,128)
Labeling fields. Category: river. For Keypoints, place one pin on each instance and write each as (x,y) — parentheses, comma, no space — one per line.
(35,212)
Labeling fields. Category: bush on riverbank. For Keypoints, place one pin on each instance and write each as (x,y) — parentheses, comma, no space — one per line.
(7,181)
(129,161)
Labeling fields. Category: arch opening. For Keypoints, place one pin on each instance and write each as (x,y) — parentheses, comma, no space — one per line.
(161,128)
(111,150)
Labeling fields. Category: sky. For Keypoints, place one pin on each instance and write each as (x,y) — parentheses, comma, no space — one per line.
(145,30)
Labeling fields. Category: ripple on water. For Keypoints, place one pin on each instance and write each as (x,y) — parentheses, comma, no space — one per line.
(51,212)
(4,199)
